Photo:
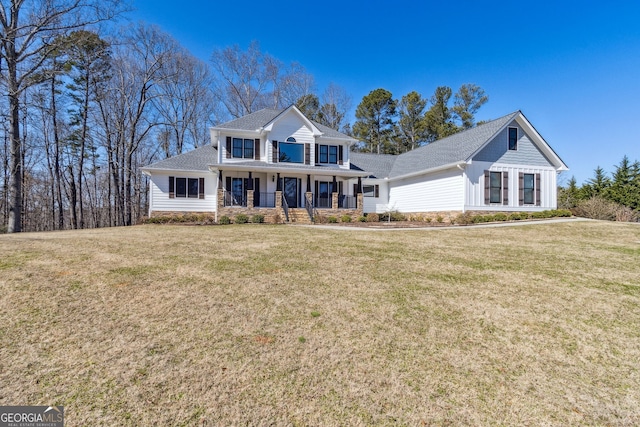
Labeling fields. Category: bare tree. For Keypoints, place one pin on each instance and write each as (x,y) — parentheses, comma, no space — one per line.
(28,27)
(247,81)
(336,102)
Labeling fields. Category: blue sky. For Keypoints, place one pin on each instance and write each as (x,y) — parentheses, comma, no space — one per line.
(572,67)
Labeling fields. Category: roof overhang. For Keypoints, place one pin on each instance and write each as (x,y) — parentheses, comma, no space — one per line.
(460,165)
(345,173)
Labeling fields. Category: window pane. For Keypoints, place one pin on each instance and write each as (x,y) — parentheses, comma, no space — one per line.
(495,187)
(193,187)
(181,187)
(324,154)
(291,153)
(513,138)
(529,180)
(333,154)
(368,191)
(248,148)
(237,147)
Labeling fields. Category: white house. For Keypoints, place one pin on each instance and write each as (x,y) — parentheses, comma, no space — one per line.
(281,164)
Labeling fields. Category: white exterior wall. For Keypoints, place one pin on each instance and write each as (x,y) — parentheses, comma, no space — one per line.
(375,204)
(440,191)
(474,184)
(159,191)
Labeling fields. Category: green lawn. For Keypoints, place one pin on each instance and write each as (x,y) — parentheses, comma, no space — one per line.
(283,325)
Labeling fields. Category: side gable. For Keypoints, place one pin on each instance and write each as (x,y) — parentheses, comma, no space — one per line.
(527,153)
(290,124)
(532,149)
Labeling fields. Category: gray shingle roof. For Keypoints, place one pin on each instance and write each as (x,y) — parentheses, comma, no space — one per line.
(261,118)
(195,160)
(455,148)
(378,165)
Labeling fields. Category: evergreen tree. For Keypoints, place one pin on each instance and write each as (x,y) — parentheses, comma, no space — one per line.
(439,118)
(468,100)
(375,121)
(412,126)
(597,185)
(624,187)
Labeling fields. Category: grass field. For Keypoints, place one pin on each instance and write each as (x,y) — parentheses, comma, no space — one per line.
(280,325)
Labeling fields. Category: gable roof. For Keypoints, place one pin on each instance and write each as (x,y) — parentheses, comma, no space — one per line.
(195,160)
(260,119)
(453,149)
(447,152)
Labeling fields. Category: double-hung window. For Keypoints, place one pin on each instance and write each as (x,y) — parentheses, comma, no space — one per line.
(495,187)
(370,190)
(186,187)
(328,154)
(242,148)
(529,197)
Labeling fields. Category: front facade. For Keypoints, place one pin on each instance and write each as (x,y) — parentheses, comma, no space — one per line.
(281,164)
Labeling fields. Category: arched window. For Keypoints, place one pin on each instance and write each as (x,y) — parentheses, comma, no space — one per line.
(291,139)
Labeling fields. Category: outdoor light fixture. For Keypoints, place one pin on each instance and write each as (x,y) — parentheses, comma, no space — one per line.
(273,178)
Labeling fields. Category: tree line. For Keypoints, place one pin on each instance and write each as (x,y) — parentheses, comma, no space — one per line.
(614,196)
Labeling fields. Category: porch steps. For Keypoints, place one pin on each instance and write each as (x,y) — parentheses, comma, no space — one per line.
(299,216)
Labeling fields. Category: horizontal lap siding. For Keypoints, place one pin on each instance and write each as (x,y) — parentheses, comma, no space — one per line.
(291,125)
(440,191)
(160,201)
(474,183)
(375,204)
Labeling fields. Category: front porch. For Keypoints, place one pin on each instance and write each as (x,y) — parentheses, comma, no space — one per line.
(277,207)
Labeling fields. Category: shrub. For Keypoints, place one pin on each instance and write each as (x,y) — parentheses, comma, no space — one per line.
(224,220)
(500,217)
(517,216)
(332,219)
(320,219)
(439,219)
(463,219)
(597,208)
(257,219)
(373,217)
(346,218)
(241,219)
(427,219)
(362,218)
(277,219)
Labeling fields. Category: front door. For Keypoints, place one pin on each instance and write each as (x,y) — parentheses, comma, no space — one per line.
(291,192)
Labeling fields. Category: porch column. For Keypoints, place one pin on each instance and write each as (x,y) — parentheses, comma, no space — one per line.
(250,183)
(308,183)
(278,183)
(334,194)
(359,189)
(220,184)
(250,199)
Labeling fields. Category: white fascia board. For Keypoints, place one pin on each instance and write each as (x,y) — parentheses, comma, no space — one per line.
(149,171)
(314,130)
(541,143)
(459,165)
(229,130)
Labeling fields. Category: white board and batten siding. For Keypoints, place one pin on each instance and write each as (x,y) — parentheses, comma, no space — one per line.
(475,185)
(159,191)
(439,191)
(287,126)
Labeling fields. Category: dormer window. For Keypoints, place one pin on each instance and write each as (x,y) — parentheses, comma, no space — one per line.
(290,151)
(329,154)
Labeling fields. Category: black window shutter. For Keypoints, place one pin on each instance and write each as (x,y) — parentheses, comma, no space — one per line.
(355,189)
(228,182)
(487,183)
(538,201)
(505,188)
(256,149)
(201,189)
(172,188)
(317,153)
(521,188)
(307,154)
(341,154)
(256,192)
(274,151)
(228,147)
(376,191)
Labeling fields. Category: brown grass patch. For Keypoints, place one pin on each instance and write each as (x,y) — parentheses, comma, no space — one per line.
(163,325)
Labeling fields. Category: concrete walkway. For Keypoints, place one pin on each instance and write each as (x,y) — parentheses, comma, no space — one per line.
(451,227)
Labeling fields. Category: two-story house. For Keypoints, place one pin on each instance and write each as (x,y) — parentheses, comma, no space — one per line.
(281,164)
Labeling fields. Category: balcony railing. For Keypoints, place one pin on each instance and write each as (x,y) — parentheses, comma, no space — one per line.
(234,199)
(347,202)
